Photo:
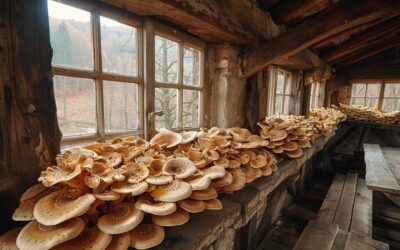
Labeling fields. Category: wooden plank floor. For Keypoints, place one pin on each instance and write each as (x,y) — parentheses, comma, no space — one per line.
(344,211)
(317,235)
(331,202)
(362,213)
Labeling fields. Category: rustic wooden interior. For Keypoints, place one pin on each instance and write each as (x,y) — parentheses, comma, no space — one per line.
(329,41)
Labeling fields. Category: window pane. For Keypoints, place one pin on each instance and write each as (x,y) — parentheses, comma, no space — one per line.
(286,108)
(371,102)
(357,101)
(121,106)
(166,60)
(358,90)
(391,104)
(278,104)
(118,47)
(373,90)
(191,109)
(288,88)
(280,81)
(191,66)
(166,101)
(392,90)
(76,105)
(70,36)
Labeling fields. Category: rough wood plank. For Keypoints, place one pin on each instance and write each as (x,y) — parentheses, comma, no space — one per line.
(387,211)
(391,234)
(392,156)
(317,235)
(362,213)
(378,174)
(393,197)
(286,239)
(347,15)
(357,241)
(340,240)
(345,209)
(299,212)
(331,202)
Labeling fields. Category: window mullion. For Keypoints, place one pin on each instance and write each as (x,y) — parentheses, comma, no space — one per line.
(180,82)
(98,69)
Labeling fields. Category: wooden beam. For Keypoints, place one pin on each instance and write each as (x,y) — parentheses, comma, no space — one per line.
(366,39)
(337,18)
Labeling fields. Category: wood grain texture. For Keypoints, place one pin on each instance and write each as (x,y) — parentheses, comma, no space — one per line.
(378,174)
(317,235)
(328,209)
(344,210)
(362,212)
(357,241)
(392,156)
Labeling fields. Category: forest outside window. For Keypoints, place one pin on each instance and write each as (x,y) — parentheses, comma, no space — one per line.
(316,95)
(178,87)
(283,91)
(96,73)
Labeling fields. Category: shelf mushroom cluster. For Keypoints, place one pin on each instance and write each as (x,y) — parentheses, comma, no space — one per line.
(362,113)
(123,193)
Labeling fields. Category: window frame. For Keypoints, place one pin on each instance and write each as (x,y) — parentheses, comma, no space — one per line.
(273,91)
(165,32)
(317,99)
(382,83)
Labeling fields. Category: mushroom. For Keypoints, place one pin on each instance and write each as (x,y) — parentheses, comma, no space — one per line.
(214,172)
(90,238)
(213,204)
(107,196)
(290,146)
(122,218)
(71,158)
(62,205)
(38,236)
(112,159)
(125,187)
(239,180)
(210,155)
(101,172)
(200,183)
(296,153)
(223,181)
(146,236)
(167,138)
(155,207)
(222,162)
(32,192)
(179,217)
(188,136)
(259,162)
(239,134)
(266,171)
(192,206)
(176,191)
(8,239)
(277,135)
(206,194)
(120,242)
(136,172)
(180,168)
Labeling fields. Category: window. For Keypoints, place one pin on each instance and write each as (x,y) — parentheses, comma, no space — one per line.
(317,94)
(178,87)
(283,92)
(366,94)
(96,73)
(391,98)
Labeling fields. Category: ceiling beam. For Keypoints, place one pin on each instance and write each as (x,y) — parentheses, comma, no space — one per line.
(363,40)
(337,18)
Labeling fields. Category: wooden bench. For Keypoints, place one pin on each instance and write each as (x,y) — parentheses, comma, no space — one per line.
(344,220)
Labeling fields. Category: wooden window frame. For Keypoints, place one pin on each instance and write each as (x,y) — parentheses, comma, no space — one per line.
(317,99)
(285,84)
(382,83)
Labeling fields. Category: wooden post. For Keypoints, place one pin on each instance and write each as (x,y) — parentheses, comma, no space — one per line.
(29,132)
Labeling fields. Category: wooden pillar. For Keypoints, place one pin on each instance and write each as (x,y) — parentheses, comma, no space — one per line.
(29,132)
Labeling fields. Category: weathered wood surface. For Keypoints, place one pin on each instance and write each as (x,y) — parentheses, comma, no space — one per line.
(373,125)
(344,210)
(378,174)
(362,212)
(29,133)
(317,235)
(356,241)
(340,240)
(328,209)
(392,156)
(347,15)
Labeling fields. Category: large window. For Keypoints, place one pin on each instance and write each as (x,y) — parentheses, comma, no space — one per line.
(178,91)
(317,95)
(379,94)
(283,91)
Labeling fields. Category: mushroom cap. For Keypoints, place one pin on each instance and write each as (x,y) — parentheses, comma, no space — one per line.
(159,180)
(239,180)
(136,172)
(210,155)
(205,143)
(277,135)
(214,172)
(303,143)
(90,238)
(37,236)
(222,162)
(192,206)
(188,136)
(56,174)
(24,212)
(125,187)
(107,196)
(180,168)
(71,157)
(32,192)
(166,138)
(122,218)
(278,143)
(200,163)
(120,242)
(156,167)
(155,207)
(179,217)
(296,153)
(274,167)
(224,181)
(206,194)
(290,146)
(62,205)
(278,150)
(266,171)
(201,183)
(101,172)
(131,153)
(146,236)
(194,155)
(259,162)
(175,191)
(213,204)
(234,164)
(8,239)
(240,134)
(112,159)
(250,174)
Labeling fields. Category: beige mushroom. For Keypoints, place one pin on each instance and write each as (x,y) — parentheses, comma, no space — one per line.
(214,172)
(122,218)
(125,187)
(146,236)
(224,181)
(120,242)
(90,238)
(213,204)
(155,207)
(179,217)
(8,239)
(166,138)
(176,191)
(192,206)
(200,183)
(180,168)
(206,194)
(136,173)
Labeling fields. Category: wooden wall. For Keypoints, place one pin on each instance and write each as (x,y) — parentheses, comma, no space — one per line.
(29,133)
